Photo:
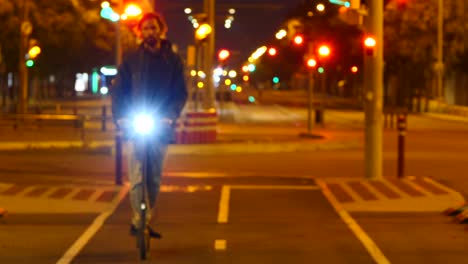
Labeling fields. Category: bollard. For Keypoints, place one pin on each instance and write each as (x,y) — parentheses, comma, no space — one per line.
(401,144)
(118,159)
(319,116)
(104,118)
(3,212)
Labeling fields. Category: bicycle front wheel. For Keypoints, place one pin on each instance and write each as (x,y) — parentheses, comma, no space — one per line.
(143,238)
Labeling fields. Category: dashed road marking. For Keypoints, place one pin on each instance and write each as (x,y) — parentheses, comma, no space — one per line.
(79,244)
(77,192)
(224,204)
(407,194)
(220,244)
(368,243)
(223,212)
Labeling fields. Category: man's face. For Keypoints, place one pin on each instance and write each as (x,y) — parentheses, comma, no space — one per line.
(150,31)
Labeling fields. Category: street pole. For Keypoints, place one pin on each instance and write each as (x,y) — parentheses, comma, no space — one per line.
(374,94)
(118,39)
(118,44)
(23,70)
(440,51)
(209,10)
(311,90)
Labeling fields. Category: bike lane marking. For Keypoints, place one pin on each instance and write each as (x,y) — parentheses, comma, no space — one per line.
(223,212)
(73,251)
(368,243)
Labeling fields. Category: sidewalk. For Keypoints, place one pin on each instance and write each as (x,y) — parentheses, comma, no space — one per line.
(250,129)
(231,138)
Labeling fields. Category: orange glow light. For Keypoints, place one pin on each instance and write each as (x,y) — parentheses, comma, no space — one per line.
(272,51)
(311,63)
(324,51)
(298,40)
(223,54)
(133,10)
(370,42)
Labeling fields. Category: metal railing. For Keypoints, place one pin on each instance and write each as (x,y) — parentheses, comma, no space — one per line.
(40,120)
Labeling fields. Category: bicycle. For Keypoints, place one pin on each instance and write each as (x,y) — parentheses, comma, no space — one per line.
(141,126)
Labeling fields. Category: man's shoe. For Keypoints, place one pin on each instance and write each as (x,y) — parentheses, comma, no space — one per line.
(153,233)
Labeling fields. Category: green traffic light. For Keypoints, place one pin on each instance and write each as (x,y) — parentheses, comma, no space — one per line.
(321,70)
(30,63)
(275,79)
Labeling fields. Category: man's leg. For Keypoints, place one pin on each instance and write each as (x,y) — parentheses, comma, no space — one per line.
(135,178)
(157,156)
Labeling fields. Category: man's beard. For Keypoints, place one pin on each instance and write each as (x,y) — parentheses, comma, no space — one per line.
(151,41)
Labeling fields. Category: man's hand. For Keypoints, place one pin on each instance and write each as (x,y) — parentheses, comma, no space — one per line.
(123,123)
(167,121)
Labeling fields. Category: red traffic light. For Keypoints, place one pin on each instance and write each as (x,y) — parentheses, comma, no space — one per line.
(272,51)
(311,63)
(324,51)
(369,44)
(401,4)
(223,54)
(298,40)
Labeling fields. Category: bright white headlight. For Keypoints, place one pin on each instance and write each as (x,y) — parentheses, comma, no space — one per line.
(143,124)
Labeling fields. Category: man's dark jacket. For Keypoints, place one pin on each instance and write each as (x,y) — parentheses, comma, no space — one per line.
(154,80)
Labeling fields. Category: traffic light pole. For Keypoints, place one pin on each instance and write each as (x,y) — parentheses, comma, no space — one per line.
(209,10)
(440,51)
(22,69)
(310,102)
(118,41)
(374,94)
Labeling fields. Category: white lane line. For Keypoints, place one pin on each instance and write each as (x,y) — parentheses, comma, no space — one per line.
(49,191)
(5,186)
(418,188)
(274,187)
(79,244)
(220,244)
(350,191)
(96,194)
(443,187)
(370,245)
(26,190)
(224,204)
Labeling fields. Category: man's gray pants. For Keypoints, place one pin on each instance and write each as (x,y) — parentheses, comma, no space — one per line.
(156,153)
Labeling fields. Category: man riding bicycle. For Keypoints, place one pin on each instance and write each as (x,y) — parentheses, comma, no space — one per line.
(151,77)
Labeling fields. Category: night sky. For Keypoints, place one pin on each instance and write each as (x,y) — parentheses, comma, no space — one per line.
(255,22)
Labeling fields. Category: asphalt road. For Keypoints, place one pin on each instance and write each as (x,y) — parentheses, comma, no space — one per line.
(268,220)
(272,221)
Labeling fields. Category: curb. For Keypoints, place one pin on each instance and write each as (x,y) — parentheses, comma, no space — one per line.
(200,149)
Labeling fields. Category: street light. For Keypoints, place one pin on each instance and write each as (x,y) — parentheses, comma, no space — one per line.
(133,10)
(321,7)
(272,51)
(281,34)
(223,54)
(311,63)
(298,40)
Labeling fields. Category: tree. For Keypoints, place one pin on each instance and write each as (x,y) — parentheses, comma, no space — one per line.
(72,36)
(317,27)
(411,44)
